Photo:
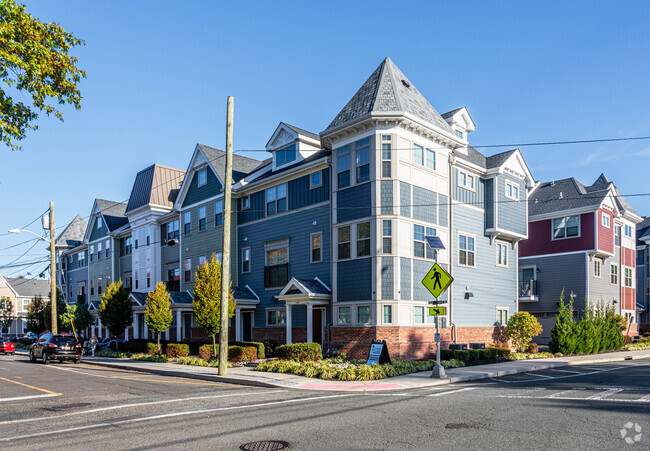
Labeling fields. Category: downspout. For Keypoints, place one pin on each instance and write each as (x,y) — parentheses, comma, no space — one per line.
(454,334)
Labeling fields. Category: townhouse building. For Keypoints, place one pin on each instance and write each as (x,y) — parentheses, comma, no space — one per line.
(71,262)
(21,292)
(643,274)
(582,239)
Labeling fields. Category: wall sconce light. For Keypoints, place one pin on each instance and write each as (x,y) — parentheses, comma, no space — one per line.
(468,295)
(245,238)
(315,223)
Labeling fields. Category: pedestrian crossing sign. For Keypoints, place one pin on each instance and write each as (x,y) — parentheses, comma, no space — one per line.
(437,280)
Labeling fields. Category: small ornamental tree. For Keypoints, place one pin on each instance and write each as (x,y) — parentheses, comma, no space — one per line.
(207,299)
(521,328)
(115,310)
(157,312)
(563,334)
(586,333)
(6,313)
(34,319)
(77,316)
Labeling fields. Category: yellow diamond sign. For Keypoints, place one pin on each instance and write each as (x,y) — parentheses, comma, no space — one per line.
(437,280)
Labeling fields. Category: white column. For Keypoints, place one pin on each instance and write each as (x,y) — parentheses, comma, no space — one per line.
(99,327)
(178,325)
(167,334)
(288,307)
(310,323)
(238,327)
(136,326)
(146,330)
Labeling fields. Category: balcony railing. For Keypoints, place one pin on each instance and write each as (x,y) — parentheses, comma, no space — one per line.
(528,289)
(81,299)
(276,276)
(173,285)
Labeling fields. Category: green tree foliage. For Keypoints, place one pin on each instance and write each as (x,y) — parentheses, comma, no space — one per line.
(587,340)
(207,299)
(115,310)
(563,334)
(79,314)
(157,312)
(34,62)
(521,328)
(61,307)
(6,312)
(34,319)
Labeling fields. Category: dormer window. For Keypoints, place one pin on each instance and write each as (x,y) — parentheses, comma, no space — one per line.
(459,133)
(99,222)
(202,177)
(286,155)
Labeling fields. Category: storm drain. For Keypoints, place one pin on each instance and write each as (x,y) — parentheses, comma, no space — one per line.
(265,445)
(69,406)
(456,426)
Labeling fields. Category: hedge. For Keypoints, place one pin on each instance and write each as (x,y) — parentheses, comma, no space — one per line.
(242,353)
(446,354)
(261,354)
(473,355)
(462,355)
(299,352)
(206,352)
(152,348)
(175,350)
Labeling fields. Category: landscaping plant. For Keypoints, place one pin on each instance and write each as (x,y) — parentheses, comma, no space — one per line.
(157,311)
(521,328)
(115,310)
(563,333)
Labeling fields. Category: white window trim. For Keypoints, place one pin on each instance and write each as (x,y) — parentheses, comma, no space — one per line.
(356,312)
(501,307)
(243,206)
(205,217)
(496,253)
(250,259)
(604,217)
(338,312)
(566,237)
(469,235)
(311,180)
(266,318)
(598,263)
(274,246)
(198,177)
(467,175)
(393,314)
(311,249)
(610,274)
(512,187)
(350,241)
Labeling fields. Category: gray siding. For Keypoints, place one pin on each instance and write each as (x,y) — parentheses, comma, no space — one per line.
(353,203)
(100,269)
(405,278)
(405,199)
(443,210)
(197,193)
(511,214)
(386,197)
(601,288)
(354,279)
(474,198)
(489,203)
(426,205)
(98,232)
(126,265)
(387,278)
(420,269)
(75,277)
(168,254)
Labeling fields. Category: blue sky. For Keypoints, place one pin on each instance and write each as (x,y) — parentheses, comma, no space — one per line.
(159,74)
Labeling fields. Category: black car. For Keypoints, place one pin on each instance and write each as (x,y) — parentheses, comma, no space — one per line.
(55,347)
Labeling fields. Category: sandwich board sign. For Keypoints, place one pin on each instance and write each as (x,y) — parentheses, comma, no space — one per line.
(378,353)
(437,280)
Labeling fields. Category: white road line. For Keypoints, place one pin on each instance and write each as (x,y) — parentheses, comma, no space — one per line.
(127,406)
(557,395)
(607,392)
(565,371)
(452,391)
(20,398)
(173,414)
(540,375)
(633,401)
(564,377)
(645,398)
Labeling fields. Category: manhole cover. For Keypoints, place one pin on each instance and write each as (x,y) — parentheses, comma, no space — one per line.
(265,445)
(456,426)
(70,406)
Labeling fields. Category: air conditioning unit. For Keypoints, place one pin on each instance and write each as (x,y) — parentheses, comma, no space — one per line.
(461,346)
(477,346)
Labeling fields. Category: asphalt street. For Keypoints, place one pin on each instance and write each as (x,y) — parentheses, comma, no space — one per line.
(59,406)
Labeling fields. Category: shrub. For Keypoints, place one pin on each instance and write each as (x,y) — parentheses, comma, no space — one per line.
(532,348)
(270,346)
(484,354)
(206,352)
(152,349)
(498,352)
(242,354)
(494,353)
(453,363)
(473,355)
(462,355)
(175,350)
(446,354)
(563,334)
(300,352)
(521,328)
(113,354)
(259,346)
(150,358)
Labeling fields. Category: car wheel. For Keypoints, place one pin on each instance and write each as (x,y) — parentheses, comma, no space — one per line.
(77,360)
(44,358)
(32,358)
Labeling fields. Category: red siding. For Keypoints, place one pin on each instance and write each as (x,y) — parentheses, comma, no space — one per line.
(605,234)
(629,296)
(539,240)
(628,257)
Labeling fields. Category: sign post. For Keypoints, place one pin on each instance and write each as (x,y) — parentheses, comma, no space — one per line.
(437,281)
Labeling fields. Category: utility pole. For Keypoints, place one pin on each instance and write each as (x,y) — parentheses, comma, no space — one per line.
(53,328)
(225,266)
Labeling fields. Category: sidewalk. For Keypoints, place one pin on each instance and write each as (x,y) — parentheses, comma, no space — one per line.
(247,375)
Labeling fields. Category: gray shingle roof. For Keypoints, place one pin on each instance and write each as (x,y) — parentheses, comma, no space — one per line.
(30,287)
(473,156)
(176,297)
(241,166)
(243,294)
(157,185)
(73,234)
(643,230)
(113,213)
(388,90)
(314,286)
(320,154)
(302,131)
(449,114)
(497,160)
(546,198)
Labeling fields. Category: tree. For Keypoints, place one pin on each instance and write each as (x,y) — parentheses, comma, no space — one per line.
(34,62)
(47,311)
(158,312)
(563,334)
(34,319)
(586,332)
(79,315)
(115,310)
(6,313)
(207,299)
(521,328)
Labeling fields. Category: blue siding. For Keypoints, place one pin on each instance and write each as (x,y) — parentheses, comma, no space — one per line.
(386,197)
(511,214)
(405,278)
(98,232)
(425,204)
(256,211)
(405,199)
(354,279)
(443,210)
(353,203)
(474,198)
(387,278)
(489,203)
(420,269)
(196,194)
(299,192)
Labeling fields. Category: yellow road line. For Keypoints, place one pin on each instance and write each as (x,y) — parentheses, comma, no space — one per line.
(29,386)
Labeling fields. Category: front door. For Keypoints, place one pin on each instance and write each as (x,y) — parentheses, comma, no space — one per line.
(187,332)
(247,326)
(318,325)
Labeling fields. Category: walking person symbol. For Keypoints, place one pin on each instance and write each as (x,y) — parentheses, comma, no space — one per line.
(436,279)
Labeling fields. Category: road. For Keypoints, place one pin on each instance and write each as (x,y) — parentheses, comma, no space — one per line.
(71,406)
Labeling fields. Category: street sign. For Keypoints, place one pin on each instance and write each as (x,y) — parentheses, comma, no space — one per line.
(436,311)
(437,280)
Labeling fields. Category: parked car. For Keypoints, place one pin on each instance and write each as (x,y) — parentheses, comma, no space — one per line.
(31,335)
(7,347)
(55,347)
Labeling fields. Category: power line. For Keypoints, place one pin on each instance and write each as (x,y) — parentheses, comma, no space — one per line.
(555,143)
(19,244)
(23,264)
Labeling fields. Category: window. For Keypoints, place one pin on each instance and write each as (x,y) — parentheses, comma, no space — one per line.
(128,281)
(597,266)
(345,315)
(219,256)
(202,177)
(420,247)
(386,155)
(284,156)
(99,286)
(343,167)
(26,303)
(418,315)
(172,230)
(218,213)
(99,251)
(99,222)
(128,246)
(613,274)
(502,254)
(202,260)
(276,199)
(617,235)
(108,248)
(316,247)
(430,159)
(502,316)
(566,227)
(418,154)
(276,317)
(246,259)
(276,271)
(315,180)
(605,220)
(344,242)
(387,236)
(82,258)
(628,231)
(466,252)
(137,236)
(202,220)
(245,202)
(363,239)
(187,222)
(148,232)
(187,270)
(362,153)
(512,191)
(137,280)
(628,278)
(363,314)
(459,133)
(91,253)
(388,314)
(466,180)
(424,157)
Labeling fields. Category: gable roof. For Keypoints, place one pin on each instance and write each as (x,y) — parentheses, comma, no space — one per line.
(473,156)
(546,198)
(157,185)
(498,159)
(113,213)
(30,287)
(73,234)
(241,166)
(388,90)
(302,131)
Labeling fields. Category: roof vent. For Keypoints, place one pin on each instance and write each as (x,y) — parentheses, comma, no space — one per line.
(406,83)
(536,201)
(561,196)
(552,182)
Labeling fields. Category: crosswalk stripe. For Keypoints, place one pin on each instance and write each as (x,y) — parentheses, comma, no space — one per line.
(605,393)
(452,391)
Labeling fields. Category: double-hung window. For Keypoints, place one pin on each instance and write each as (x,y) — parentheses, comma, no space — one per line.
(108,248)
(628,278)
(420,247)
(430,159)
(345,315)
(245,202)
(387,236)
(343,242)
(466,180)
(363,314)
(202,177)
(597,267)
(362,154)
(502,254)
(99,286)
(99,251)
(148,278)
(187,222)
(566,227)
(136,234)
(512,191)
(187,270)
(246,260)
(218,213)
(605,220)
(418,154)
(502,316)
(202,219)
(418,315)
(172,230)
(343,167)
(82,258)
(363,239)
(137,280)
(128,245)
(386,155)
(613,274)
(388,314)
(286,155)
(424,157)
(466,250)
(91,252)
(148,235)
(202,260)
(315,180)
(276,317)
(628,231)
(316,247)
(276,199)
(92,287)
(276,272)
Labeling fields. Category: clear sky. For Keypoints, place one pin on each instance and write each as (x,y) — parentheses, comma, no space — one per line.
(159,73)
